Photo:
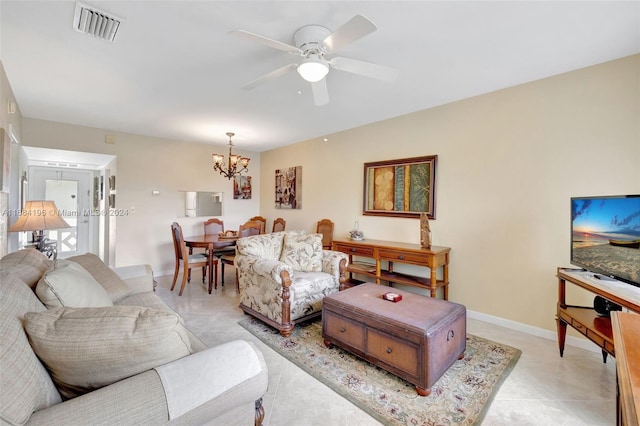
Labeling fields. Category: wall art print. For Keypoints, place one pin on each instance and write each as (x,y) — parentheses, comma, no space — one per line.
(242,187)
(289,188)
(400,188)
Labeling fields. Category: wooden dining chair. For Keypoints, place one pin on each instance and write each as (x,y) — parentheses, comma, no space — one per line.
(263,222)
(214,226)
(278,224)
(186,260)
(325,227)
(245,230)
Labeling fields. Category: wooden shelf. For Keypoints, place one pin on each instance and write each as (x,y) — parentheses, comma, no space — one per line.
(392,252)
(585,320)
(362,268)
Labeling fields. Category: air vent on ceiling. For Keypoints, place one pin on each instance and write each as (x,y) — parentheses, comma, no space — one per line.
(96,23)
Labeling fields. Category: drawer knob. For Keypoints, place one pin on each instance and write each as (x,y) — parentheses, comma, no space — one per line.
(342,330)
(352,249)
(401,257)
(450,335)
(389,350)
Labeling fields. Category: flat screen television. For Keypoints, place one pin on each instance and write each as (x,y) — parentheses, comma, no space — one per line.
(605,236)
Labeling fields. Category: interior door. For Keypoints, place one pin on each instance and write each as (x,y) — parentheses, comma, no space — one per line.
(71,191)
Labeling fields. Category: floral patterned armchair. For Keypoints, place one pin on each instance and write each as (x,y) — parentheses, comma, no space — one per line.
(284,276)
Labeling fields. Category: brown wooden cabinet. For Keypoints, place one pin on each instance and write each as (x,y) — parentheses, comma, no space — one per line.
(389,252)
(626,333)
(417,338)
(584,319)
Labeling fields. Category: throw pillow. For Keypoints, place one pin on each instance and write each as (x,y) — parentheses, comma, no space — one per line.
(87,348)
(68,284)
(303,252)
(106,277)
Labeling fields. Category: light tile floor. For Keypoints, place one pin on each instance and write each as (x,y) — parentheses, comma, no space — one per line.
(543,389)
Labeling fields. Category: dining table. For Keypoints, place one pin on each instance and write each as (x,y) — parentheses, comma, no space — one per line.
(210,242)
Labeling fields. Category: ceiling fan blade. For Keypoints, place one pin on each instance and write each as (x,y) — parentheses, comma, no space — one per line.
(367,69)
(355,29)
(266,41)
(320,92)
(270,76)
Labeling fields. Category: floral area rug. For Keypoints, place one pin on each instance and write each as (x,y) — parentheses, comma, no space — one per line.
(460,397)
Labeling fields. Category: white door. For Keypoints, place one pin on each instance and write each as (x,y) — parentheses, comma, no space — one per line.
(71,191)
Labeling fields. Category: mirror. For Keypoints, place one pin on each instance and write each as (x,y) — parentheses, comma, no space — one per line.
(202,203)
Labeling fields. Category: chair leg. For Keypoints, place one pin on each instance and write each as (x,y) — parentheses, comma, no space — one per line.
(175,276)
(222,274)
(184,280)
(204,273)
(215,276)
(237,282)
(189,276)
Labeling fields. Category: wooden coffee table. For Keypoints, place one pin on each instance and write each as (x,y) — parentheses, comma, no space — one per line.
(417,338)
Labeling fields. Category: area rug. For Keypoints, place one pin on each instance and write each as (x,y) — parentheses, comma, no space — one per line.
(460,397)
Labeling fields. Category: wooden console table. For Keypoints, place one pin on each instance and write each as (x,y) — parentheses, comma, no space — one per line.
(626,334)
(585,319)
(391,251)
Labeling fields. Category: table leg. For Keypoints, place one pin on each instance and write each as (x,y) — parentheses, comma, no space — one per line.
(211,272)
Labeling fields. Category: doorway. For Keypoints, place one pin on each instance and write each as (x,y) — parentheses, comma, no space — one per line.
(71,190)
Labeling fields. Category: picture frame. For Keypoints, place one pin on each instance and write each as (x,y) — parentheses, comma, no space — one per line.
(400,188)
(288,188)
(242,187)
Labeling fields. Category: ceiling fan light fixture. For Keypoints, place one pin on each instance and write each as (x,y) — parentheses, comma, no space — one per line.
(313,69)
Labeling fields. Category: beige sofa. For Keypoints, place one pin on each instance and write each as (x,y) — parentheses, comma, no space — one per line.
(283,276)
(219,385)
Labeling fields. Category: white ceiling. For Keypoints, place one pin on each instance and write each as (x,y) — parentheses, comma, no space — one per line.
(174,72)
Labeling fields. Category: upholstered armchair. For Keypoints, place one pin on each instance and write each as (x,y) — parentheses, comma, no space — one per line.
(283,277)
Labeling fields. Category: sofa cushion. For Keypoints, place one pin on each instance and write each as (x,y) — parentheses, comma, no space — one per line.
(115,286)
(88,348)
(68,284)
(27,265)
(303,252)
(25,383)
(308,289)
(266,246)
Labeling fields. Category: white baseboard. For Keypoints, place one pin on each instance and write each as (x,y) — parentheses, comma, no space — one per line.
(577,342)
(582,343)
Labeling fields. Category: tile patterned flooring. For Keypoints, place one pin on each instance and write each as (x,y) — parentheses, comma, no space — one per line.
(543,389)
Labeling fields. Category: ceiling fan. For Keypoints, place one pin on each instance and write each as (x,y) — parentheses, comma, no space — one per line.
(313,43)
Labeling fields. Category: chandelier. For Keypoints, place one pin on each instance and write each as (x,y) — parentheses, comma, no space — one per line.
(235,164)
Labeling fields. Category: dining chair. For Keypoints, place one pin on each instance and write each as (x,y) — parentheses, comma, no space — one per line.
(325,227)
(214,226)
(263,222)
(278,225)
(245,230)
(186,260)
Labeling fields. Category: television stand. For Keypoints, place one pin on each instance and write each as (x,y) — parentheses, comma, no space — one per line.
(585,319)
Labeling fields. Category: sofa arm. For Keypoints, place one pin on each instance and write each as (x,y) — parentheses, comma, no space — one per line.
(144,400)
(331,263)
(138,277)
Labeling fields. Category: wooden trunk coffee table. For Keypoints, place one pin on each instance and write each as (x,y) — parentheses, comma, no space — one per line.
(417,338)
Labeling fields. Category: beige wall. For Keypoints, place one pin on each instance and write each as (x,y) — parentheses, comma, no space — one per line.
(508,162)
(145,164)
